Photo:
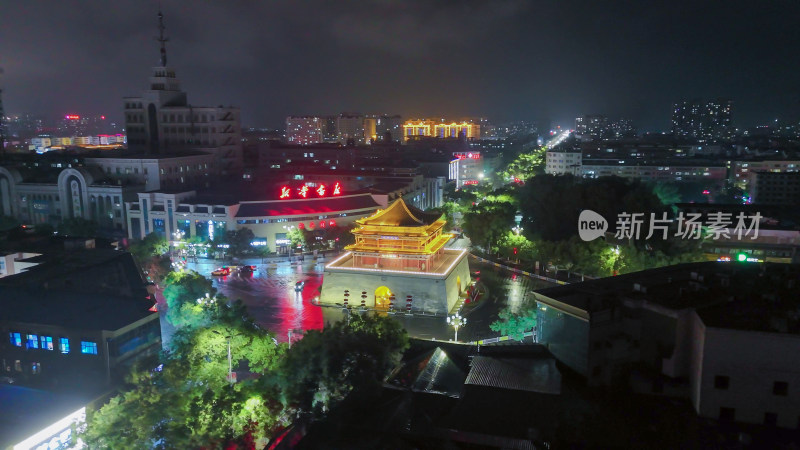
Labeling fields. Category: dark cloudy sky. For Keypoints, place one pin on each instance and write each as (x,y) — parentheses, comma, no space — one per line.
(499,59)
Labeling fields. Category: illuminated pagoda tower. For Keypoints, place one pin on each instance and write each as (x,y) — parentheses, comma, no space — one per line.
(399,255)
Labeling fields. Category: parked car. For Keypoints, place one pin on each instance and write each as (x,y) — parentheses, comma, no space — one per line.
(221,272)
(299,286)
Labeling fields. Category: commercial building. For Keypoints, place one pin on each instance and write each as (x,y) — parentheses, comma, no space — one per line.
(270,213)
(304,130)
(722,334)
(576,162)
(161,120)
(399,262)
(560,162)
(414,129)
(76,321)
(94,188)
(472,168)
(389,125)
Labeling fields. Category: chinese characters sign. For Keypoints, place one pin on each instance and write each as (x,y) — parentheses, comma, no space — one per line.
(306,191)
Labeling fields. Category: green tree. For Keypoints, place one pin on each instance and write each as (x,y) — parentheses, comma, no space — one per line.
(189,402)
(515,321)
(296,237)
(487,222)
(342,359)
(525,166)
(239,241)
(182,290)
(151,245)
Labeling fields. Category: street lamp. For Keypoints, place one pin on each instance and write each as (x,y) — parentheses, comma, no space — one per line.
(456,321)
(230,359)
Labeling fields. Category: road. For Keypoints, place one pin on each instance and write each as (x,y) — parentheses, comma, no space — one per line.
(270,296)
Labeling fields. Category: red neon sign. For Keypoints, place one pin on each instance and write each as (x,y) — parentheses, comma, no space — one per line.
(332,223)
(322,224)
(470,182)
(301,225)
(72,117)
(311,225)
(303,191)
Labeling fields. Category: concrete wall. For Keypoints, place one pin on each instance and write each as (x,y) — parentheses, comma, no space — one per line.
(429,294)
(753,361)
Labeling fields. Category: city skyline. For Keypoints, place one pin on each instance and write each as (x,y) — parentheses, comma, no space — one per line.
(506,61)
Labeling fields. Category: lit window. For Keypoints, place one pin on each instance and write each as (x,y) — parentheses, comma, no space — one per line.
(89,348)
(47,342)
(63,345)
(16,339)
(33,341)
(36,368)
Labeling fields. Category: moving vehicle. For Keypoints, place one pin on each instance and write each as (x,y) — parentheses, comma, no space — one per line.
(221,272)
(247,270)
(299,286)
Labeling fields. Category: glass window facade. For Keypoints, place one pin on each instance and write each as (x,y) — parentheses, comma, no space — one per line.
(33,341)
(63,345)
(88,347)
(16,339)
(47,342)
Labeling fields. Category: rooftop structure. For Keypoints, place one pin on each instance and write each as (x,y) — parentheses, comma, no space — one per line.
(721,334)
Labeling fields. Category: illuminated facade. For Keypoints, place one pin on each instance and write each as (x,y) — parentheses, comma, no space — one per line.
(304,130)
(399,254)
(431,128)
(162,121)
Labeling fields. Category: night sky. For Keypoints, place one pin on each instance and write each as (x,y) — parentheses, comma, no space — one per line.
(499,59)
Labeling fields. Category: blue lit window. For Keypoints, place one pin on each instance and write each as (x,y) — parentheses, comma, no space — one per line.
(33,341)
(47,342)
(16,339)
(63,345)
(89,348)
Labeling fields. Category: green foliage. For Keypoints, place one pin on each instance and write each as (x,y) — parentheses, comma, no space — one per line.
(515,321)
(239,241)
(190,403)
(486,222)
(326,238)
(182,291)
(152,245)
(77,227)
(296,237)
(327,365)
(525,166)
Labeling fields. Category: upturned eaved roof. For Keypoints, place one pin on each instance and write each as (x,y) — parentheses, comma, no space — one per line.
(401,214)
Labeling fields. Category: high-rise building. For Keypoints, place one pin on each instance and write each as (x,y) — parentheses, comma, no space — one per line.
(702,120)
(162,121)
(304,130)
(370,129)
(389,124)
(593,125)
(350,128)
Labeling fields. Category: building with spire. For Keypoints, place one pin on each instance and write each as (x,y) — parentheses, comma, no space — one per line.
(399,259)
(162,121)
